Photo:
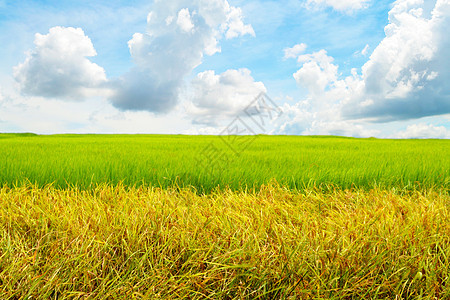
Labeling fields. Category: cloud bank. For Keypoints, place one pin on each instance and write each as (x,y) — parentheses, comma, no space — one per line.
(406,76)
(423,131)
(179,34)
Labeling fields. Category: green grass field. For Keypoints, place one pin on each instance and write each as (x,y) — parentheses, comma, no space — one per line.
(205,217)
(206,162)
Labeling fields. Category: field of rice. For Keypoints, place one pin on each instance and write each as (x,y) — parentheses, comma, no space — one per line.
(206,162)
(207,217)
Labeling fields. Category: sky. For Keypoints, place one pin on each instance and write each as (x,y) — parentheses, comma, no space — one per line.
(360,68)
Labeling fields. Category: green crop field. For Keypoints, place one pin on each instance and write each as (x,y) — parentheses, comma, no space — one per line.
(207,162)
(208,217)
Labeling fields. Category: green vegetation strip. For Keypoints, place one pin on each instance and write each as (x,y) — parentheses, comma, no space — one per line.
(118,242)
(208,162)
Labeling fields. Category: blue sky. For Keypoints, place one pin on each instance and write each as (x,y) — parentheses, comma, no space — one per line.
(350,67)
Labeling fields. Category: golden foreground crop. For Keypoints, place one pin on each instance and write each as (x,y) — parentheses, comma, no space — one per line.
(118,242)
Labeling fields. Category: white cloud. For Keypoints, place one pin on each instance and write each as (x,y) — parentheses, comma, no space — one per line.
(235,25)
(295,51)
(317,71)
(362,52)
(217,97)
(406,77)
(184,20)
(365,50)
(347,6)
(169,51)
(58,67)
(422,130)
(407,73)
(320,112)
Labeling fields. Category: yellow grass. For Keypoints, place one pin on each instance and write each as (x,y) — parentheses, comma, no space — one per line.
(147,243)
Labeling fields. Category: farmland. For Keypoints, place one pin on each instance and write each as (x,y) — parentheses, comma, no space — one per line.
(265,217)
(207,162)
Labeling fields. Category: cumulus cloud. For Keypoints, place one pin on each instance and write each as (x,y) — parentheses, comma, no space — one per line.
(217,97)
(347,6)
(422,131)
(59,67)
(405,77)
(317,72)
(179,33)
(407,74)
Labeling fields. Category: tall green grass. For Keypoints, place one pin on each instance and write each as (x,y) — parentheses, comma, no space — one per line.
(112,242)
(164,161)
